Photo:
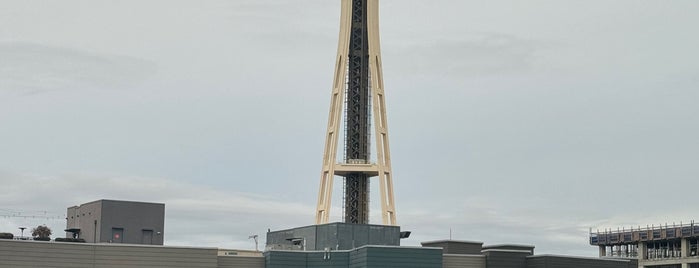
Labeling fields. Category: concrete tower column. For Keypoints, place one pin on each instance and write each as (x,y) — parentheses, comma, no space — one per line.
(602,251)
(642,251)
(684,250)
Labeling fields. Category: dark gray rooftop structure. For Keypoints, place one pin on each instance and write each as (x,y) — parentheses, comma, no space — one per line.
(112,221)
(456,246)
(335,236)
(365,256)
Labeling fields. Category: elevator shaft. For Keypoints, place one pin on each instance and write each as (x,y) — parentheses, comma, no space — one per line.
(357,116)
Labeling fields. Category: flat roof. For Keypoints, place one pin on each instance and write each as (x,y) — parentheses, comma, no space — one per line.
(452,241)
(334,223)
(117,201)
(577,257)
(508,245)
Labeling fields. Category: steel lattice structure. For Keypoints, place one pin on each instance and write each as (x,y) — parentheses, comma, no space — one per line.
(357,117)
(358,86)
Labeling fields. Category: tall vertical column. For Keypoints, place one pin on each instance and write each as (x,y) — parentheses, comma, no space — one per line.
(357,117)
(358,87)
(602,251)
(383,151)
(684,252)
(642,251)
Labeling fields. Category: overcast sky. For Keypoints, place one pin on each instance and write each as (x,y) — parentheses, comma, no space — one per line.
(511,121)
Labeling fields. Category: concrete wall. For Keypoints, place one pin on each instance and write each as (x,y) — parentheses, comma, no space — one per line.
(528,248)
(336,236)
(135,218)
(83,217)
(456,247)
(240,262)
(24,254)
(506,258)
(550,261)
(404,257)
(463,261)
(364,257)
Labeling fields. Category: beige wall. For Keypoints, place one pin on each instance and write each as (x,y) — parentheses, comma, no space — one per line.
(463,261)
(241,262)
(24,254)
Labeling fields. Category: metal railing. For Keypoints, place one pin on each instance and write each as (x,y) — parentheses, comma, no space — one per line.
(650,232)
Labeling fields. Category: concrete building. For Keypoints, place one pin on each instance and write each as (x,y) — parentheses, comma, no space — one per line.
(336,245)
(472,254)
(668,246)
(111,221)
(436,254)
(334,236)
(32,254)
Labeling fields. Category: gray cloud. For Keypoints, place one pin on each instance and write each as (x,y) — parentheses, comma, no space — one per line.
(466,55)
(28,68)
(195,215)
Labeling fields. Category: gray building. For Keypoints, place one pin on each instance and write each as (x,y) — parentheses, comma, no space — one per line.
(362,257)
(360,245)
(472,254)
(19,254)
(111,221)
(333,236)
(435,254)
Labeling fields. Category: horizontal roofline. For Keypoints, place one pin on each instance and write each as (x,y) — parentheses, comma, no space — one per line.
(452,241)
(117,201)
(578,257)
(506,250)
(509,245)
(333,223)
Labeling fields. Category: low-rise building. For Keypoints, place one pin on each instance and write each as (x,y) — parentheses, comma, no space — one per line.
(112,221)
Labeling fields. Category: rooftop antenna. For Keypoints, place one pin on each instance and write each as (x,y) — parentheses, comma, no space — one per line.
(254,237)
